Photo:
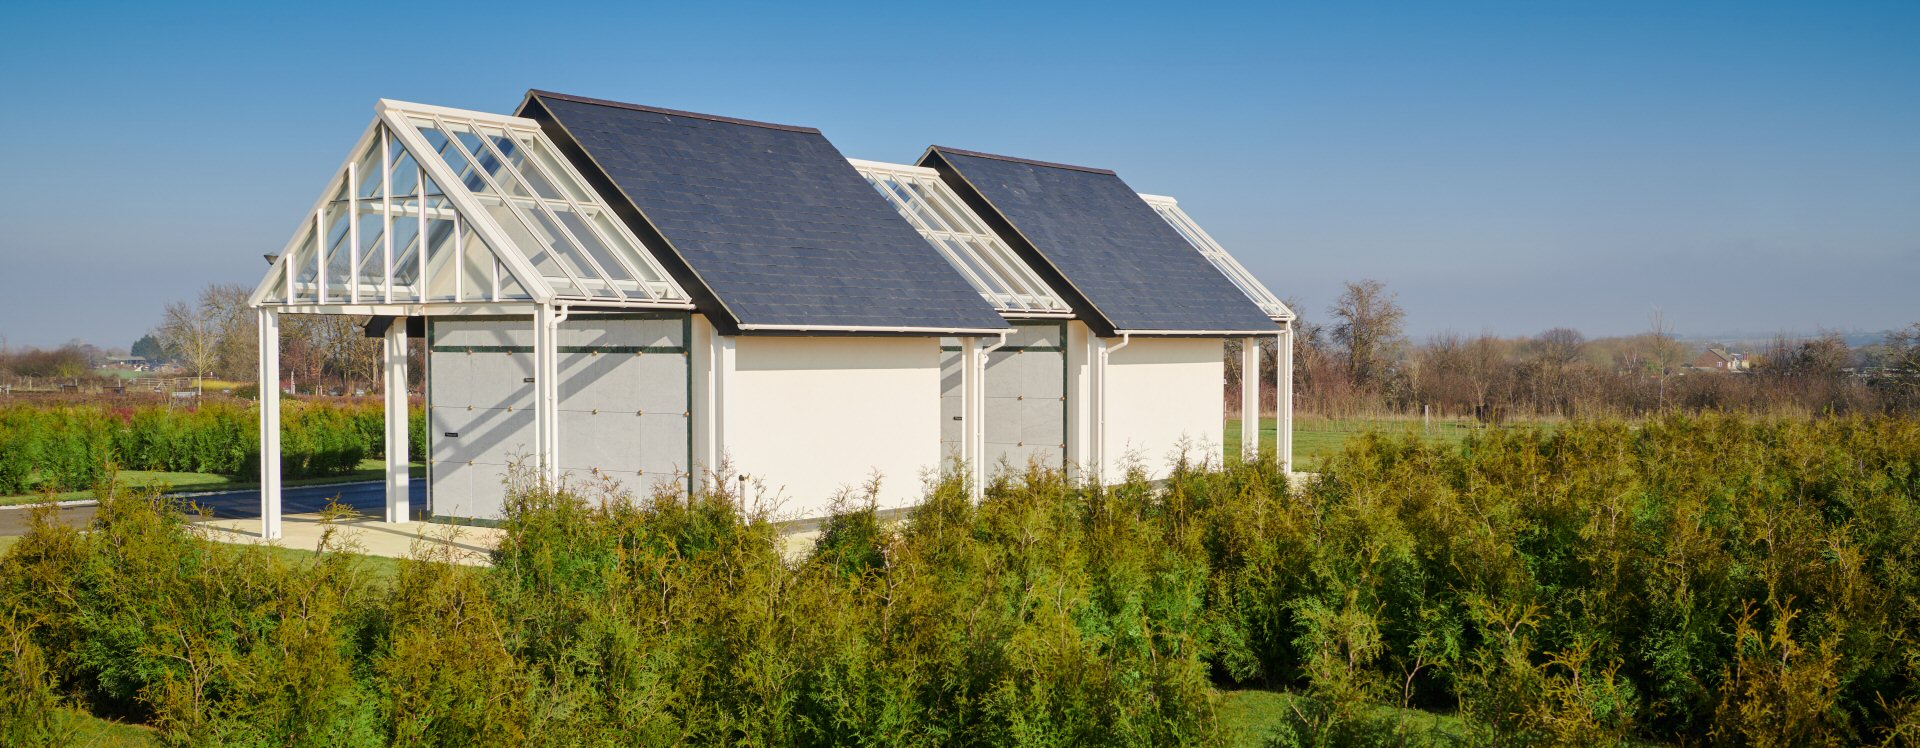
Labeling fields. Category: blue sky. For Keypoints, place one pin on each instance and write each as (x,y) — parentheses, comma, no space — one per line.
(1505,167)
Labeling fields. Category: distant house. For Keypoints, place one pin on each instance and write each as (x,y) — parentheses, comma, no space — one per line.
(125,363)
(1721,359)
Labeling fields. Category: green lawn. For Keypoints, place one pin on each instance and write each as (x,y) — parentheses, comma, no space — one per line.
(197,482)
(1315,439)
(89,730)
(1250,717)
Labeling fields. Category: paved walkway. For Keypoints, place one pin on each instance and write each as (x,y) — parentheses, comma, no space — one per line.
(460,544)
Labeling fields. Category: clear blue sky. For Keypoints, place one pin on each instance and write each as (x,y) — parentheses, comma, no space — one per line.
(1505,167)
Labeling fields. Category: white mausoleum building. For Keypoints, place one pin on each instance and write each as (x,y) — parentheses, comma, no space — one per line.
(608,289)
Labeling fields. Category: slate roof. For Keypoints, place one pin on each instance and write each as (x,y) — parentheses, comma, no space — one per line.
(767,225)
(1119,257)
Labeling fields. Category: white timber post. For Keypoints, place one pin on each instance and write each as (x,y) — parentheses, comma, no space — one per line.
(971,415)
(269,424)
(1283,399)
(394,350)
(1250,398)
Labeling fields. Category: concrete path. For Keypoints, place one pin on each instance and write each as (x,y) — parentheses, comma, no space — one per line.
(459,544)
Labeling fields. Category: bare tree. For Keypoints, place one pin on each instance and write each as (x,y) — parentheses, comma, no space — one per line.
(236,356)
(1560,345)
(192,330)
(1367,326)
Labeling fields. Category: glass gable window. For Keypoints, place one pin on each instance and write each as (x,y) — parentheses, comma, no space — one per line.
(1000,276)
(445,205)
(1169,209)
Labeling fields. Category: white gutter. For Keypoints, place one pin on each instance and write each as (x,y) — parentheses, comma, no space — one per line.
(1197,333)
(955,331)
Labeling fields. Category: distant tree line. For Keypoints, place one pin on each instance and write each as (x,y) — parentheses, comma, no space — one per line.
(217,335)
(1357,361)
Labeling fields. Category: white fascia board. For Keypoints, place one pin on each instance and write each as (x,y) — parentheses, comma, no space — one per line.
(483,223)
(868,328)
(257,298)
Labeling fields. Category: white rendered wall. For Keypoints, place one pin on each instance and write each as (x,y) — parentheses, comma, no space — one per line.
(1164,393)
(813,416)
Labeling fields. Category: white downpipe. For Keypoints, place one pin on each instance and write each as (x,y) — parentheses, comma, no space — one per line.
(545,405)
(1100,436)
(269,425)
(393,349)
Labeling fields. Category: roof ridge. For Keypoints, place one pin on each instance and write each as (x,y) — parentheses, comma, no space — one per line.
(533,92)
(1018,160)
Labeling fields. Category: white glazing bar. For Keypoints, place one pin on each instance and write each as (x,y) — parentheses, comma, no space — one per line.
(459,259)
(618,246)
(353,231)
(888,188)
(995,271)
(548,211)
(386,216)
(533,228)
(1018,273)
(420,235)
(320,256)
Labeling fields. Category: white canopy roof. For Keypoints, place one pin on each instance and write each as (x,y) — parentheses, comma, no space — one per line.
(969,245)
(458,209)
(1169,209)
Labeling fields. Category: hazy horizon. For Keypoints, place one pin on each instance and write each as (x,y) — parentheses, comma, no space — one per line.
(1749,168)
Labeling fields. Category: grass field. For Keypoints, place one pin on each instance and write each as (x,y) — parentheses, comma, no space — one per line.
(198,482)
(1315,438)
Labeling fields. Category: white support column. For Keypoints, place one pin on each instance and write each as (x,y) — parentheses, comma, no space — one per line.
(972,415)
(1283,399)
(1249,398)
(394,350)
(269,424)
